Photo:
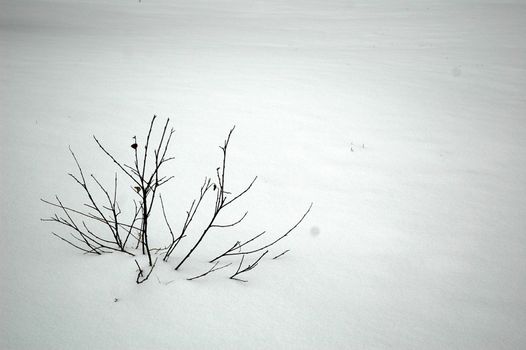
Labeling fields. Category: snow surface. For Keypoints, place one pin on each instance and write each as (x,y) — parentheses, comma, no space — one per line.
(403,121)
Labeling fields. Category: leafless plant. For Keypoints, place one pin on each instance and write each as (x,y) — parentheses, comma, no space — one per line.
(146,178)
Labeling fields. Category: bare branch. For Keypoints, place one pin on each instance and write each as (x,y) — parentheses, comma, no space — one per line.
(131,227)
(283,236)
(242,193)
(116,161)
(113,208)
(189,216)
(94,243)
(246,269)
(147,144)
(279,255)
(141,273)
(209,271)
(166,220)
(233,224)
(230,252)
(221,201)
(88,215)
(74,245)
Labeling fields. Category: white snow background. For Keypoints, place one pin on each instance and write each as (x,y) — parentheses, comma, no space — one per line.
(403,121)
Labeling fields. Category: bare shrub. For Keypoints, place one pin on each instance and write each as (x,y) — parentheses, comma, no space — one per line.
(132,237)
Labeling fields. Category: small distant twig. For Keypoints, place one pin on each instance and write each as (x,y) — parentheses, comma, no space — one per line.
(279,255)
(163,283)
(239,271)
(209,271)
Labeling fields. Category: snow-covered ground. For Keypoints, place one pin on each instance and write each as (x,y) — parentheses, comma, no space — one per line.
(403,121)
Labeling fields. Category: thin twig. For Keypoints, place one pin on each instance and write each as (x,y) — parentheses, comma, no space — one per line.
(233,224)
(246,269)
(209,271)
(166,220)
(74,245)
(231,251)
(279,255)
(116,161)
(221,199)
(190,213)
(140,274)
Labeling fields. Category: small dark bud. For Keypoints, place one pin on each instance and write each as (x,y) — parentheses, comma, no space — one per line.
(134,146)
(137,189)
